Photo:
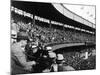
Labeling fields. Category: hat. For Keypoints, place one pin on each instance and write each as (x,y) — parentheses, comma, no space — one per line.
(48,48)
(22,36)
(52,55)
(60,57)
(34,46)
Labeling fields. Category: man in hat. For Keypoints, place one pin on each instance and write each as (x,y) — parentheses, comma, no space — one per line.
(61,66)
(19,63)
(51,60)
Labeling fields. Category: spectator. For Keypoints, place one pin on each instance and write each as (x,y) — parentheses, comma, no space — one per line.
(17,51)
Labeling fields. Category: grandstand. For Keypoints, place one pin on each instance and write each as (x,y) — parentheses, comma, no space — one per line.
(51,20)
(69,34)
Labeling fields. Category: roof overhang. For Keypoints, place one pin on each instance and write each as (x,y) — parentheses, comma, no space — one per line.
(48,11)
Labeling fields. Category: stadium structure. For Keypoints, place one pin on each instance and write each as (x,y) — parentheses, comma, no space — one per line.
(59,28)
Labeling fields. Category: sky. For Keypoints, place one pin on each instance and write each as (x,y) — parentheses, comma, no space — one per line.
(87,12)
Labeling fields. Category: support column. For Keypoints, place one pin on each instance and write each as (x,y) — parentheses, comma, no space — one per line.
(33,21)
(74,27)
(50,24)
(63,28)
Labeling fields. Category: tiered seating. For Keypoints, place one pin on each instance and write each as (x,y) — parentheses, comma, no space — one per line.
(53,35)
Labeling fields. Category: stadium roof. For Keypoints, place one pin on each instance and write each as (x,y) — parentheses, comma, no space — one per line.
(88,12)
(73,12)
(48,11)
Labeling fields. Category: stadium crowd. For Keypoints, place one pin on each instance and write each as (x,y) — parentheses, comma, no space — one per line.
(81,60)
(28,53)
(28,47)
(53,35)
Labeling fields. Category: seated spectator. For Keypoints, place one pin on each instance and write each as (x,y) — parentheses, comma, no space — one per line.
(17,54)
